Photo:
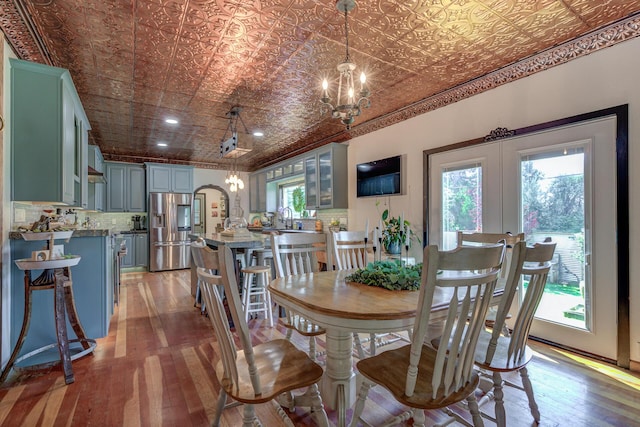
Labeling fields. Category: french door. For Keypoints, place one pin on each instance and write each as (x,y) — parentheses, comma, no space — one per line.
(558,184)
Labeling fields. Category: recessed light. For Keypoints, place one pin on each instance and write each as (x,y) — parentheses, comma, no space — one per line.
(171,121)
(258,133)
(161,144)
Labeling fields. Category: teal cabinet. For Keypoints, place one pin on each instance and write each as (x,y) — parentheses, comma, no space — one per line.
(258,192)
(49,134)
(127,260)
(137,250)
(96,190)
(125,187)
(163,178)
(325,173)
(141,249)
(92,289)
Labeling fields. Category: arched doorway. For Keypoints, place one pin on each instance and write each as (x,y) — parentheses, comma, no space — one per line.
(210,208)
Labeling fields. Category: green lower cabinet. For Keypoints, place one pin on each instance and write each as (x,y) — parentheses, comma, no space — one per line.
(137,250)
(92,290)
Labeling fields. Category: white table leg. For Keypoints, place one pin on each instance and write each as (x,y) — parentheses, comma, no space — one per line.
(338,387)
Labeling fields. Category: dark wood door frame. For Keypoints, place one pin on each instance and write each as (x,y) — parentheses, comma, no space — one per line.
(621,112)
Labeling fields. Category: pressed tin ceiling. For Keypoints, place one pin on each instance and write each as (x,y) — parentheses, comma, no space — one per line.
(137,62)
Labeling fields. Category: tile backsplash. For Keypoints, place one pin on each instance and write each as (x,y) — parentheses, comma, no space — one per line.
(24,215)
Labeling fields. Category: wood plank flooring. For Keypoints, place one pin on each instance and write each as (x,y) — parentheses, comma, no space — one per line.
(154,369)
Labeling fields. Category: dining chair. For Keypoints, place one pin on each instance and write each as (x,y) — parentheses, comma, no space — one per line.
(498,352)
(296,253)
(424,378)
(203,257)
(349,250)
(479,238)
(252,375)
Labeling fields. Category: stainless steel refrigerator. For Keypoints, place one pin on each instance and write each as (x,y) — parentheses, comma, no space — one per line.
(169,229)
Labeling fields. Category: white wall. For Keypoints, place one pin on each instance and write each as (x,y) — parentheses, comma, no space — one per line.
(216,177)
(603,79)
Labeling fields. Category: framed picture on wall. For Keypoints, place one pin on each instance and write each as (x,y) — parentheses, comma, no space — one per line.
(214,214)
(214,205)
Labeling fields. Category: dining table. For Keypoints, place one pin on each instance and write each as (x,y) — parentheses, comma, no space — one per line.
(342,308)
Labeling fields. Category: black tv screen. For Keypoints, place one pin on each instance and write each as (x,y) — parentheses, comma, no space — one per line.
(379,178)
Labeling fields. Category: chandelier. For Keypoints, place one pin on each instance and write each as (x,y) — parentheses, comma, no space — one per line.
(229,149)
(346,108)
(234,181)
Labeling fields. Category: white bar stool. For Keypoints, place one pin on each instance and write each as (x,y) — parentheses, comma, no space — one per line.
(255,296)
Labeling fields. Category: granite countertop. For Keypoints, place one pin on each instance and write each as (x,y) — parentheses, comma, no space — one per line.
(16,235)
(267,230)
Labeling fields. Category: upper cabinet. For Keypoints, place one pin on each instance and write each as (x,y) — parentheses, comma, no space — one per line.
(325,177)
(162,178)
(125,187)
(258,192)
(96,192)
(49,134)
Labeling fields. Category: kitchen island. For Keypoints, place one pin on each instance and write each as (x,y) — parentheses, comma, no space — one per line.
(93,280)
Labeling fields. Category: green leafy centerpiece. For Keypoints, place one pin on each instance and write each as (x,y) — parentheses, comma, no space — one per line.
(388,274)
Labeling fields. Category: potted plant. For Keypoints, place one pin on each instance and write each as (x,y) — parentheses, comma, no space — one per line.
(394,233)
(299,202)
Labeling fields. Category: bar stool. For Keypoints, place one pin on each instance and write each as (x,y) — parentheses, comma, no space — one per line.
(255,296)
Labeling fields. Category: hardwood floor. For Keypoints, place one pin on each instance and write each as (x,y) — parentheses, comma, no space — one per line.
(155,369)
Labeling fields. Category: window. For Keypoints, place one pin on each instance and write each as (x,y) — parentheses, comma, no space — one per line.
(286,198)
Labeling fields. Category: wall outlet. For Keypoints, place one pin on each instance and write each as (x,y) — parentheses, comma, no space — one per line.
(21,215)
(113,221)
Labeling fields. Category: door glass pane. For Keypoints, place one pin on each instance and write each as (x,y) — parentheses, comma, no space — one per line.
(461,202)
(553,207)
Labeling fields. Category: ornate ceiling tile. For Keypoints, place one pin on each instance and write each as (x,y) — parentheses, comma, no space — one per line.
(136,62)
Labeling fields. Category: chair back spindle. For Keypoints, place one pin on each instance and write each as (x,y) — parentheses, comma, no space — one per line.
(296,253)
(469,276)
(349,250)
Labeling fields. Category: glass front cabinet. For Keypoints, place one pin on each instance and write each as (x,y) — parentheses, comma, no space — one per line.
(325,174)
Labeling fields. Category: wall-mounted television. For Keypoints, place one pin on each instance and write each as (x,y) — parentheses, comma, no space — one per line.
(380,177)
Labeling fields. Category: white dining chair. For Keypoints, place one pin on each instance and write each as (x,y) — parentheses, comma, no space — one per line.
(424,378)
(499,352)
(350,252)
(206,258)
(296,253)
(250,374)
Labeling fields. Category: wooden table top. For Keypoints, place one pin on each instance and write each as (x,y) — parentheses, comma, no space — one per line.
(328,299)
(327,293)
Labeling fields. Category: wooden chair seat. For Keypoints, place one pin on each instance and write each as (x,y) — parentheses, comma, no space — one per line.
(303,326)
(389,368)
(280,366)
(256,269)
(501,361)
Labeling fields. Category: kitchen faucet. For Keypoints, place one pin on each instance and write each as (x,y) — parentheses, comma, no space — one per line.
(284,218)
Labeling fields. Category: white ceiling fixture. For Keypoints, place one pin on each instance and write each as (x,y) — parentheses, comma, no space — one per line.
(346,107)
